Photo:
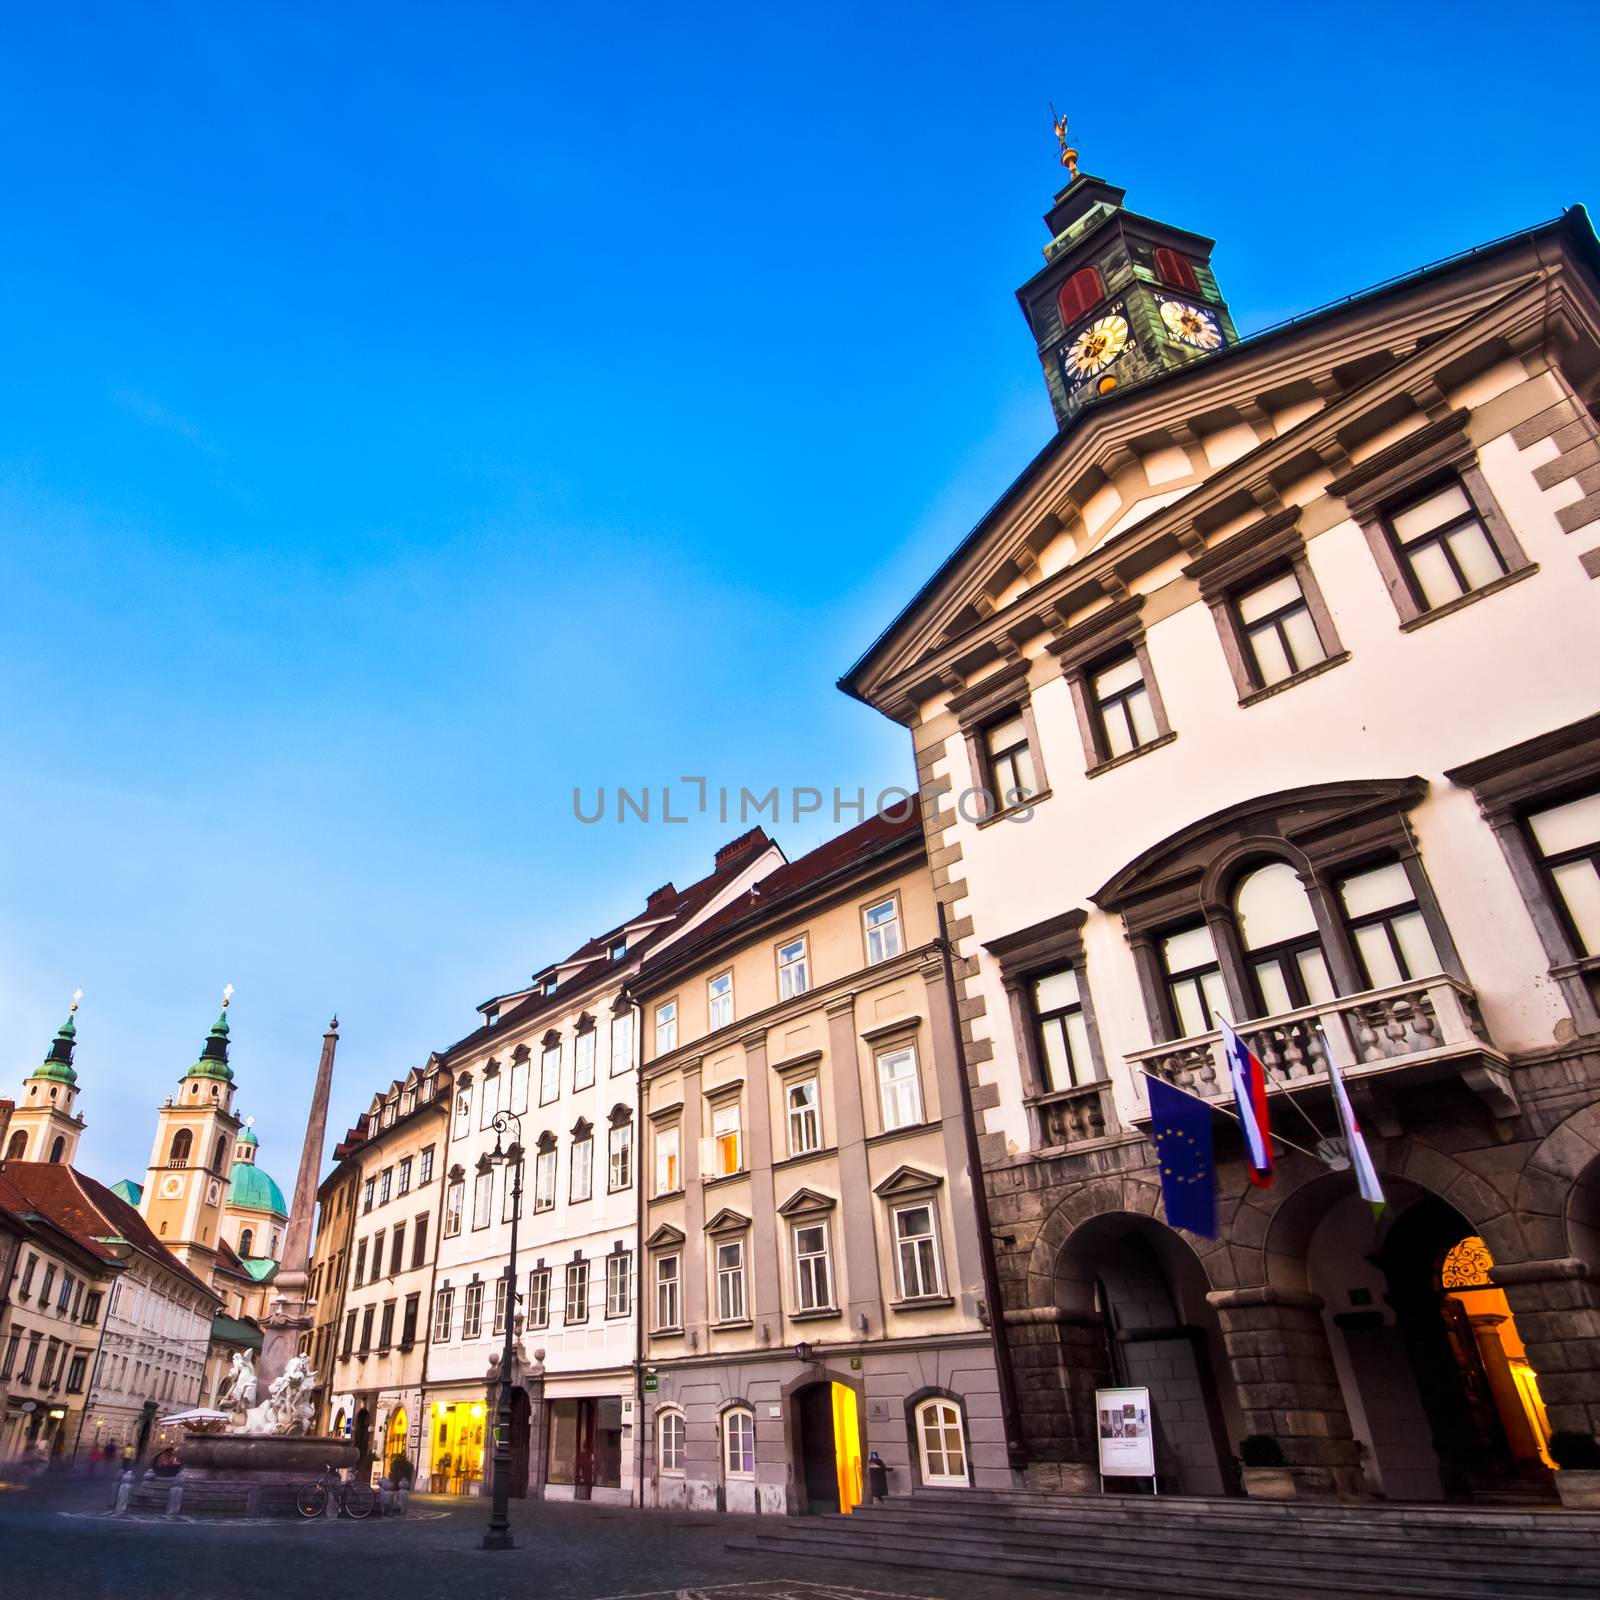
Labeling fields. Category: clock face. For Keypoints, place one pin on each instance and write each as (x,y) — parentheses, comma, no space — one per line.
(1191,325)
(1096,346)
(172,1185)
(213,1192)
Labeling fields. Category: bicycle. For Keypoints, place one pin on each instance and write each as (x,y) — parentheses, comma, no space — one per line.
(353,1497)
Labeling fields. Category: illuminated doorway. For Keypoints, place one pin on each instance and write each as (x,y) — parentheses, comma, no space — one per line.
(395,1442)
(457,1448)
(828,1425)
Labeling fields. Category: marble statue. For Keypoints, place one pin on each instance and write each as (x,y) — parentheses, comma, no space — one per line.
(239,1391)
(287,1408)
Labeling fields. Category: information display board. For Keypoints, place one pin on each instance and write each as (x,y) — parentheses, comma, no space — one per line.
(1127,1444)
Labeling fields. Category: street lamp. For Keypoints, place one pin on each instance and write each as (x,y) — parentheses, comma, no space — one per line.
(499,1535)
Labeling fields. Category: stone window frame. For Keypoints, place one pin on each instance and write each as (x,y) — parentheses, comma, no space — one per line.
(729,1226)
(1324,831)
(1239,564)
(1427,458)
(667,1243)
(619,1254)
(997,698)
(1509,784)
(807,1208)
(662,1412)
(1086,648)
(904,1188)
(733,1408)
(1030,953)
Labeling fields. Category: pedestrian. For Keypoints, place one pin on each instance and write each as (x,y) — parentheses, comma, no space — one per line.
(877,1477)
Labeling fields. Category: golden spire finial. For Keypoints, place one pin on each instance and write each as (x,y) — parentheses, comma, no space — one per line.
(1069,156)
(77,995)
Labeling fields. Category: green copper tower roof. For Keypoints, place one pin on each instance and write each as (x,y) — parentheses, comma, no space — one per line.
(249,1186)
(213,1062)
(57,1065)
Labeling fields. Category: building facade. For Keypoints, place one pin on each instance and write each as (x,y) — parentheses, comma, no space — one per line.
(561,1058)
(813,1279)
(1270,691)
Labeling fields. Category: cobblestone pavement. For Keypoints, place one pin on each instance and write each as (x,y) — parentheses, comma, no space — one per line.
(57,1543)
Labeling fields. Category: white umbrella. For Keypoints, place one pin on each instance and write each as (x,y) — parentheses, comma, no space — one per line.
(192,1419)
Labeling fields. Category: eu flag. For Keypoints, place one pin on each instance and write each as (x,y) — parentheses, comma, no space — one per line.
(1180,1127)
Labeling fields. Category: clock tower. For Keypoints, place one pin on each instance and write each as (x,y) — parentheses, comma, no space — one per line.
(196,1130)
(1121,297)
(47,1124)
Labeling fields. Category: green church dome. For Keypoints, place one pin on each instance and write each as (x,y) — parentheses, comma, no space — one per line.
(213,1062)
(247,1137)
(249,1186)
(57,1065)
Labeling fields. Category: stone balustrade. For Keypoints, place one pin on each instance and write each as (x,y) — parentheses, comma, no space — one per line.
(1075,1116)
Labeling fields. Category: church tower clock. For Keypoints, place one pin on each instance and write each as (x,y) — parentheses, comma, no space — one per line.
(1121,297)
(186,1187)
(46,1124)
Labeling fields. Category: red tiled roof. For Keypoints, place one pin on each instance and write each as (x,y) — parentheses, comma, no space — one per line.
(89,1212)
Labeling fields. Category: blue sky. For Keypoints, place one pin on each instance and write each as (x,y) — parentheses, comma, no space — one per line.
(412,413)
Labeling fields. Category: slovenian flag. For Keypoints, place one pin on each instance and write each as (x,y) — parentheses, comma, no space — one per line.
(1354,1143)
(1249,1079)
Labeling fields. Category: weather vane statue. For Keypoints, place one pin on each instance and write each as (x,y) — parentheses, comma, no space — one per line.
(1069,156)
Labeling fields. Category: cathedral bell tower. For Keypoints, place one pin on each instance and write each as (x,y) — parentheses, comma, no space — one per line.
(46,1125)
(186,1187)
(1121,297)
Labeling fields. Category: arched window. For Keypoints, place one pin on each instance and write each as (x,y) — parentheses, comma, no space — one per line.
(739,1442)
(57,1150)
(941,1444)
(17,1149)
(219,1161)
(182,1144)
(1279,933)
(1177,270)
(671,1437)
(1081,291)
(247,1237)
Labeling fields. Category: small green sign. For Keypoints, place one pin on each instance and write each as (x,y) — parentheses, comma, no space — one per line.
(855,1363)
(651,1383)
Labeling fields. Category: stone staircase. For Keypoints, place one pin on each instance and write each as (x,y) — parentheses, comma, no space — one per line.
(1125,1545)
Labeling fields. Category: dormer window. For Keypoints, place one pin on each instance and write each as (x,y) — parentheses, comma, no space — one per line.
(1080,293)
(490,1018)
(619,948)
(1177,271)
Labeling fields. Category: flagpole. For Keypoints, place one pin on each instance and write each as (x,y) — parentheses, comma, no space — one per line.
(1229,1112)
(1283,1088)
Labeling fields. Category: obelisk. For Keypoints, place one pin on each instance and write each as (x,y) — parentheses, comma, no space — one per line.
(289,1315)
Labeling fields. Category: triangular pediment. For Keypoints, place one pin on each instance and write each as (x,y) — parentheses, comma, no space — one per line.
(804,1202)
(664,1236)
(907,1180)
(727,1220)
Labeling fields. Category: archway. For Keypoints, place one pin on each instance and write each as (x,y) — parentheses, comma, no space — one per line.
(363,1435)
(395,1440)
(1142,1286)
(827,1423)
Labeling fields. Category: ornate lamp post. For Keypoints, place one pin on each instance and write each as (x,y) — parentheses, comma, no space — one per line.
(499,1535)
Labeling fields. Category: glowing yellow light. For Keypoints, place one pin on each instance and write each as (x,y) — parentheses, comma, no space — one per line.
(1107,384)
(477,1411)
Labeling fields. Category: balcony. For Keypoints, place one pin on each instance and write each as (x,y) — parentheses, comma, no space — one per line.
(1417,1032)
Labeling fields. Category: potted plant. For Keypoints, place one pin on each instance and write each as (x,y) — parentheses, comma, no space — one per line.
(1262,1469)
(401,1470)
(1578,1481)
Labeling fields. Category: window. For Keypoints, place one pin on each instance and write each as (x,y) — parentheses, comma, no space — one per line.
(25,1288)
(502,1295)
(1080,293)
(619,1285)
(1008,761)
(883,931)
(544,1181)
(621,1042)
(1279,934)
(916,1251)
(619,1157)
(899,1092)
(1194,980)
(377,1255)
(368,1189)
(1062,1031)
(483,1198)
(247,1238)
(1567,840)
(403,1176)
(813,1274)
(510,1198)
(425,1167)
(669,1175)
(385,1183)
(719,1001)
(666,1027)
(618,949)
(1391,939)
(361,1262)
(583,1060)
(397,1249)
(739,1437)
(31,1358)
(539,1298)
(1280,634)
(669,1304)
(581,1179)
(10,1361)
(671,1436)
(444,1304)
(1176,271)
(463,1110)
(730,1280)
(793,977)
(489,1088)
(577,1291)
(408,1322)
(1445,551)
(472,1311)
(182,1145)
(367,1317)
(389,1110)
(804,1117)
(549,1074)
(455,1196)
(725,1138)
(75,1371)
(386,1326)
(940,1443)
(91,1308)
(1125,717)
